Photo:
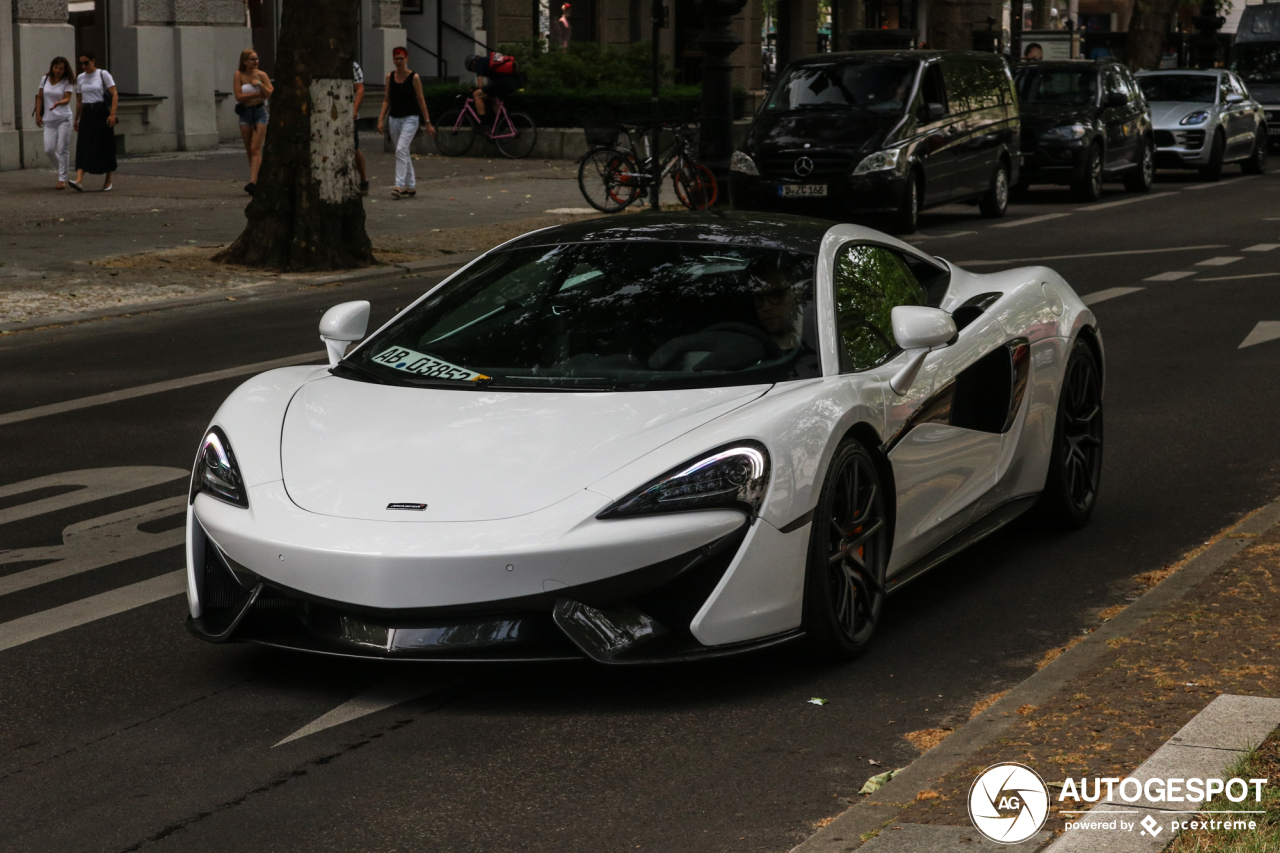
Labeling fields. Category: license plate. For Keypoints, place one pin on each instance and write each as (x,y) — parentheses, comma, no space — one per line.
(1273,131)
(426,366)
(802,190)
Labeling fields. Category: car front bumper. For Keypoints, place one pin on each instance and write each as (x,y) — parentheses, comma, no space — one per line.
(1060,162)
(871,193)
(1183,147)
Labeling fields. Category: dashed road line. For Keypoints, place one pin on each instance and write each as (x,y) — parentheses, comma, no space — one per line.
(1170,276)
(1130,200)
(1031,220)
(1093,255)
(379,697)
(1219,262)
(1266,330)
(1110,293)
(1238,277)
(154,388)
(1262,247)
(1209,186)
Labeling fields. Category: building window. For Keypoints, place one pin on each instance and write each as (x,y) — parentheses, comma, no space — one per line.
(411,7)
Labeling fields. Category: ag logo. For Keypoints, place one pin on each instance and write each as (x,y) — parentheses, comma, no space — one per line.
(1008,802)
(804,166)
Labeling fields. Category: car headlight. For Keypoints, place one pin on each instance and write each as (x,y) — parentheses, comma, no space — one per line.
(1197,117)
(1067,131)
(216,472)
(880,161)
(732,477)
(742,162)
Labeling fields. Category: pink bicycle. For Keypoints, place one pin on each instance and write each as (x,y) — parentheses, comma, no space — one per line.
(515,134)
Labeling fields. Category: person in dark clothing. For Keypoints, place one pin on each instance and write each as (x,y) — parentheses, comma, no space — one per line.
(404,104)
(94,121)
(496,77)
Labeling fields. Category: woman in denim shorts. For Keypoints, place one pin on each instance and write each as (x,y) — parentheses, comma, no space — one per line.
(252,89)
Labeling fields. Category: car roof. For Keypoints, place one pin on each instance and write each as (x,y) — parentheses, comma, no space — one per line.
(739,228)
(1198,72)
(908,55)
(1081,64)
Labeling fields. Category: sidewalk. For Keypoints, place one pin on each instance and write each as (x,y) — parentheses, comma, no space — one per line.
(148,240)
(1133,689)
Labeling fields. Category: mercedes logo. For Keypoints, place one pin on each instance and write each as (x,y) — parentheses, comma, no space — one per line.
(804,166)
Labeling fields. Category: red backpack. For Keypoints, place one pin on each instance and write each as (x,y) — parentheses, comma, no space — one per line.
(501,63)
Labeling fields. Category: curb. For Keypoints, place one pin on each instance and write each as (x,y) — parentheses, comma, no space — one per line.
(845,832)
(282,284)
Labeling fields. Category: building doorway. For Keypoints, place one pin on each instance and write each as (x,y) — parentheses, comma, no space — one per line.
(89,19)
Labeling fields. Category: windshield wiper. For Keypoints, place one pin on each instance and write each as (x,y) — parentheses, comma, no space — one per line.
(362,374)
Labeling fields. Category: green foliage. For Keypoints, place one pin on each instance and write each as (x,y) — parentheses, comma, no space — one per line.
(586,107)
(586,65)
(870,281)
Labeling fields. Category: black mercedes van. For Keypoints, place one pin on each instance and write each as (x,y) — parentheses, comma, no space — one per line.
(886,133)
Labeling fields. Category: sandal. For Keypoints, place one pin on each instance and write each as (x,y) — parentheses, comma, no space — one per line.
(75,186)
(398,193)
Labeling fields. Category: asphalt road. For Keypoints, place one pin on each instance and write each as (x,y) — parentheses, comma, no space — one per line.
(123,733)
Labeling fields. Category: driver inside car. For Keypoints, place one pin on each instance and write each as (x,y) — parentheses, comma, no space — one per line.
(777,308)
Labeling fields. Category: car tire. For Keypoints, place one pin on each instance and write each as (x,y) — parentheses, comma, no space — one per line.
(1075,462)
(996,202)
(1213,172)
(1257,162)
(1089,187)
(1139,180)
(849,545)
(907,219)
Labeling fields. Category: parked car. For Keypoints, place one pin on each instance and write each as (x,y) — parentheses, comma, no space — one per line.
(1255,59)
(885,133)
(648,438)
(1083,122)
(1205,119)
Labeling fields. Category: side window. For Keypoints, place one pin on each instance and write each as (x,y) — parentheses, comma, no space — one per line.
(964,82)
(932,91)
(869,282)
(1224,88)
(1111,82)
(1131,86)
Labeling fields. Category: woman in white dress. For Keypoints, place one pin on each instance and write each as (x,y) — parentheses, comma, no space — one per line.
(53,113)
(95,122)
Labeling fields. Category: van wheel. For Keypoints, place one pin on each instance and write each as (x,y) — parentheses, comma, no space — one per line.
(907,219)
(1089,187)
(996,202)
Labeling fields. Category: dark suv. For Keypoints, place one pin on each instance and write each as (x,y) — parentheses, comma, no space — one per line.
(1082,122)
(882,132)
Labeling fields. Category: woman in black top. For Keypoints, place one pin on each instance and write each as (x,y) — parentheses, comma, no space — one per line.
(96,101)
(407,108)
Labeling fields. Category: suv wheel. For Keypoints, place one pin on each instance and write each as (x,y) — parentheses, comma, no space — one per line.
(1257,162)
(1213,172)
(996,201)
(1139,180)
(1089,187)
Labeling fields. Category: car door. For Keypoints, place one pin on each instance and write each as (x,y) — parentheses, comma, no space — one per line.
(937,150)
(1116,120)
(1242,122)
(1137,121)
(961,74)
(939,470)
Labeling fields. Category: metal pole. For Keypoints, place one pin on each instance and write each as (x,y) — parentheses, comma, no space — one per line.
(440,40)
(656,164)
(1015,31)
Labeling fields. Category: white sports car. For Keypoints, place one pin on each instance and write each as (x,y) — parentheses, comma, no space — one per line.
(644,439)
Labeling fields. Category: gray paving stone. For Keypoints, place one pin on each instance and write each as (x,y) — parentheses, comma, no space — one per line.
(925,838)
(1231,722)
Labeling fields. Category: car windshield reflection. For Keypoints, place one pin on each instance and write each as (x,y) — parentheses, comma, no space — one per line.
(606,316)
(1057,86)
(882,87)
(1193,88)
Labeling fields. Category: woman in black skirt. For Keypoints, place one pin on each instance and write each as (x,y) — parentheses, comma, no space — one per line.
(96,143)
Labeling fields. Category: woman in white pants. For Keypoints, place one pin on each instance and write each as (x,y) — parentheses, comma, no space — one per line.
(404,103)
(53,113)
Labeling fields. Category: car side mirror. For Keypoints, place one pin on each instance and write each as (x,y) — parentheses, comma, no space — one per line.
(919,331)
(1117,99)
(936,111)
(1234,98)
(341,326)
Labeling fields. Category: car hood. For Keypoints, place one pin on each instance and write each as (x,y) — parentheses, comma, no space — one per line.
(1037,118)
(350,448)
(845,129)
(1167,114)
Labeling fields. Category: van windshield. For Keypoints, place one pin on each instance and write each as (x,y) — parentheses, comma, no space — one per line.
(1057,86)
(1193,88)
(1257,62)
(881,87)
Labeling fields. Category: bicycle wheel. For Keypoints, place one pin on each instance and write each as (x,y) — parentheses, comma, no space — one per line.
(454,133)
(524,135)
(695,186)
(609,179)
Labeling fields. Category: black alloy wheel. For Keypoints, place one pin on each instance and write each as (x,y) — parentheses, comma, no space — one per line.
(1139,180)
(1089,187)
(1257,162)
(907,219)
(1213,172)
(1075,463)
(848,556)
(996,202)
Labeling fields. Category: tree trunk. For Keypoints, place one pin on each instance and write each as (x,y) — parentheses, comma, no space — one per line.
(306,213)
(947,29)
(1148,26)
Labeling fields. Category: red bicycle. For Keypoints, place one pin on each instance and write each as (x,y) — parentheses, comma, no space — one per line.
(515,134)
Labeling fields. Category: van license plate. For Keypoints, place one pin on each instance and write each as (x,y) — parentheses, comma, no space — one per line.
(802,190)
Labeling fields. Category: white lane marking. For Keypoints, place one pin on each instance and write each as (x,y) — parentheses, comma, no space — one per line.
(1091,255)
(1210,186)
(1238,277)
(1219,262)
(153,388)
(379,697)
(1170,276)
(574,211)
(1110,293)
(95,543)
(1031,220)
(94,483)
(1262,247)
(1130,200)
(27,628)
(1266,330)
(941,236)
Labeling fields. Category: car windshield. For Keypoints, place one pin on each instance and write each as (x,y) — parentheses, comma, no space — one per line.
(1196,88)
(1057,86)
(626,316)
(1257,62)
(882,87)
